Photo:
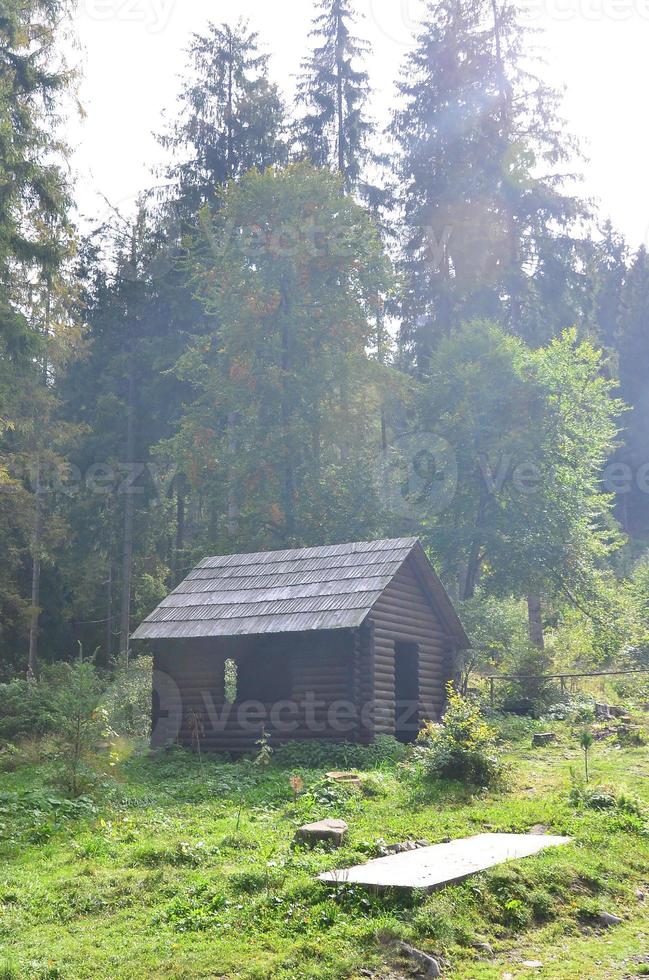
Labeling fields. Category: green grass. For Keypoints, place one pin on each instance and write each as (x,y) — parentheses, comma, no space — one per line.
(189,872)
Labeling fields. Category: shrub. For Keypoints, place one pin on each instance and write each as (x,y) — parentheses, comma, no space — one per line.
(576,710)
(315,754)
(127,702)
(26,709)
(462,747)
(605,798)
(79,725)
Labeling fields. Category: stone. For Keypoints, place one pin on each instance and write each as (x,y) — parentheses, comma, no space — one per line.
(532,964)
(485,949)
(617,712)
(604,712)
(428,868)
(408,845)
(538,828)
(544,738)
(328,830)
(607,920)
(428,963)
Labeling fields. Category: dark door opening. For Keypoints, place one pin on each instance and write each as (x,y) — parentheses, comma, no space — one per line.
(406,691)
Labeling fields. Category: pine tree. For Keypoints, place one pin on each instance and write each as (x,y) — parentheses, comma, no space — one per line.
(633,347)
(231,117)
(334,130)
(139,320)
(605,276)
(487,225)
(36,335)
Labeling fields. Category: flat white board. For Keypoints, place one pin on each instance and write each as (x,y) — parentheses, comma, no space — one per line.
(443,864)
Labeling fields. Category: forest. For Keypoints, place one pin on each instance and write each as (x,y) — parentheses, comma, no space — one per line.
(314,330)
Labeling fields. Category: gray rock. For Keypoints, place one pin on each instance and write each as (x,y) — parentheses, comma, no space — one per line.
(429,963)
(617,712)
(484,948)
(607,920)
(402,847)
(329,830)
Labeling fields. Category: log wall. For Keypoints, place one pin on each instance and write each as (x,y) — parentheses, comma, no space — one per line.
(322,669)
(404,614)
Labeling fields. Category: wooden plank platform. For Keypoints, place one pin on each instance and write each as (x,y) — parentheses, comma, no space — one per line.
(443,864)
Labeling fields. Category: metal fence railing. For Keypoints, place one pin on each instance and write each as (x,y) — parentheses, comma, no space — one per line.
(563,678)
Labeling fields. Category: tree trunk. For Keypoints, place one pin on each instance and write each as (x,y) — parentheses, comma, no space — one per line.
(512,230)
(230,111)
(181,506)
(32,658)
(108,635)
(129,518)
(475,560)
(289,474)
(233,506)
(535,621)
(340,107)
(380,354)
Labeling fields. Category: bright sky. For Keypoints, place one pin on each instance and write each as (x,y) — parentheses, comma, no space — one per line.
(132,52)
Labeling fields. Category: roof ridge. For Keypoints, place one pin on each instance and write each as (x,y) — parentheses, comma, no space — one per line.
(298,553)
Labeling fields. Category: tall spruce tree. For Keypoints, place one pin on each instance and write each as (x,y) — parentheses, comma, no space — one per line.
(633,347)
(36,337)
(334,129)
(231,117)
(488,229)
(140,317)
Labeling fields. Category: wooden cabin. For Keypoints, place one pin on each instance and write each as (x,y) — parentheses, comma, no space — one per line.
(340,643)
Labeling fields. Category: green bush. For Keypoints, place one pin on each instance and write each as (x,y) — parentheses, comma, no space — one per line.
(79,725)
(325,755)
(127,700)
(26,709)
(463,747)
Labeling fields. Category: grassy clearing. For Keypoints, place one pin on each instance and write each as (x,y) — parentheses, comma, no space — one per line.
(187,871)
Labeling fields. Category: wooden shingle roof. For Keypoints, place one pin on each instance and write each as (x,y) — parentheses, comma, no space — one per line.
(331,587)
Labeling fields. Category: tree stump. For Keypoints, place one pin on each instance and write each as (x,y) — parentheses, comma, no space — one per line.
(543,738)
